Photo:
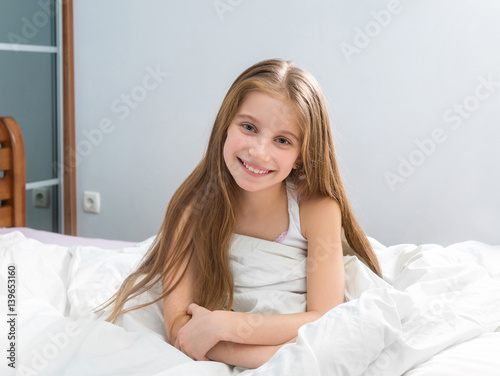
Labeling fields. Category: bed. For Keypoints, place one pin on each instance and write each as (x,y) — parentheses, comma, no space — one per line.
(435,312)
(12,174)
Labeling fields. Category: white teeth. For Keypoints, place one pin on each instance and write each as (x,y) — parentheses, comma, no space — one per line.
(255,170)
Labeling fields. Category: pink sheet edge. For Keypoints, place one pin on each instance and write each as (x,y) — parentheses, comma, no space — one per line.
(67,240)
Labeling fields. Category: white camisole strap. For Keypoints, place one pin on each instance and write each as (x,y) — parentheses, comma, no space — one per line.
(293,236)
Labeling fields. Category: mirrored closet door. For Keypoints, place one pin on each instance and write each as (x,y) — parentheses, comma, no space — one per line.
(30,92)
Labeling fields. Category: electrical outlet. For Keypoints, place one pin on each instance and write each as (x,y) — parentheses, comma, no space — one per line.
(91,202)
(41,197)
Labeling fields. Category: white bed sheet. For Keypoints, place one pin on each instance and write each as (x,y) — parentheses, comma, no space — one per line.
(439,314)
(478,356)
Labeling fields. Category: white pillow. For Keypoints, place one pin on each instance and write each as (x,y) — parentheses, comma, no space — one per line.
(40,269)
(96,274)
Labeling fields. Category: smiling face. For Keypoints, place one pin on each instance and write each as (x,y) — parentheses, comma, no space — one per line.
(263,142)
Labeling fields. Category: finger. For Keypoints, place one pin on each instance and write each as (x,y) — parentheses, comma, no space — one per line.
(201,357)
(191,308)
(176,344)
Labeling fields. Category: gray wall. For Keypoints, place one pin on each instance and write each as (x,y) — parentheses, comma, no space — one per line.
(412,86)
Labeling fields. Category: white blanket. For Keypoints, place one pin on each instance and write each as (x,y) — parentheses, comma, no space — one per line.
(432,299)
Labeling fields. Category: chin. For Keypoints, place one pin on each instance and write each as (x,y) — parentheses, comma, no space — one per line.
(249,187)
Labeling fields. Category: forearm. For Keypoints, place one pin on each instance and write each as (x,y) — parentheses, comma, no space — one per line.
(235,338)
(242,355)
(262,329)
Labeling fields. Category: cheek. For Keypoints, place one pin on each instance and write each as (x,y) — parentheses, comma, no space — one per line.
(229,147)
(292,158)
(226,152)
(233,142)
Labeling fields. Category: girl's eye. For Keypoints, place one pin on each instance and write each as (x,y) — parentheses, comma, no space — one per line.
(248,127)
(283,141)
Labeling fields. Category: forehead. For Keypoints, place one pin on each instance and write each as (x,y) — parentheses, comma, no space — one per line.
(269,110)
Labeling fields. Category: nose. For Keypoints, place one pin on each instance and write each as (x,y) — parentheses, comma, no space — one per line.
(260,150)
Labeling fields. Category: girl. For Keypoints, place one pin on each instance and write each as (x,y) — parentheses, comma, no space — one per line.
(268,178)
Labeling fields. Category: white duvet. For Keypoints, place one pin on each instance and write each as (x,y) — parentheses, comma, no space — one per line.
(437,311)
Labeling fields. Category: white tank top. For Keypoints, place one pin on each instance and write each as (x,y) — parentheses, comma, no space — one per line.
(293,236)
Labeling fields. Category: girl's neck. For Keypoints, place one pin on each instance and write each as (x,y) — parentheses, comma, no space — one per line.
(261,201)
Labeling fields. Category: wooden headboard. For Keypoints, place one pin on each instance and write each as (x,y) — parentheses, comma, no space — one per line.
(12,175)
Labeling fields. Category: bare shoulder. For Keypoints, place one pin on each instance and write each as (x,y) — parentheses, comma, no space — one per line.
(319,214)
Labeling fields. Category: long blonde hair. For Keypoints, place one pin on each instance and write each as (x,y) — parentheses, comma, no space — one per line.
(205,202)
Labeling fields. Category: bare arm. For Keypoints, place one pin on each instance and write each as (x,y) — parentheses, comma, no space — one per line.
(321,223)
(249,356)
(175,304)
(237,338)
(261,329)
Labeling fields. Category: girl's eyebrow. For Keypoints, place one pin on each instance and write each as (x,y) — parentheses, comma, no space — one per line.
(254,120)
(245,116)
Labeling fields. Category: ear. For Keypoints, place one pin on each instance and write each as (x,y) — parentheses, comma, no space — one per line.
(297,164)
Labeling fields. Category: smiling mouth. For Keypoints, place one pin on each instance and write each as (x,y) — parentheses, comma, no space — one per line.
(253,169)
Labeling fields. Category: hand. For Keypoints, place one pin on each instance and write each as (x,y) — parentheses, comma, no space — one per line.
(200,334)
